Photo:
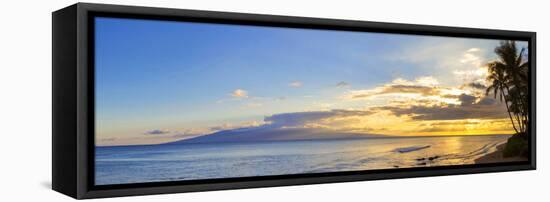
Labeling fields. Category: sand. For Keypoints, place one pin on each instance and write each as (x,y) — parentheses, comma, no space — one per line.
(497,157)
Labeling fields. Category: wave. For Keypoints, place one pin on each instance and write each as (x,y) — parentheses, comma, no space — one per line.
(485,149)
(411,149)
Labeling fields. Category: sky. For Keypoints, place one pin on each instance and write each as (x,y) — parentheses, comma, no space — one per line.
(162,81)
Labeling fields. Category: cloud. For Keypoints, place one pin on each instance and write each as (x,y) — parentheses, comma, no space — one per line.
(186,135)
(452,123)
(342,84)
(406,104)
(477,74)
(424,86)
(466,99)
(437,103)
(421,91)
(156,132)
(295,84)
(472,50)
(480,110)
(412,116)
(410,89)
(299,119)
(296,119)
(224,126)
(476,85)
(434,129)
(427,81)
(496,125)
(452,61)
(471,57)
(239,93)
(486,101)
(228,126)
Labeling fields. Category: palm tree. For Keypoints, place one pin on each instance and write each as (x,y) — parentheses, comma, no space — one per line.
(498,86)
(509,78)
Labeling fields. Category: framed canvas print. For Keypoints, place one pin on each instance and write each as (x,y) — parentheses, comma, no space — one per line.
(154,100)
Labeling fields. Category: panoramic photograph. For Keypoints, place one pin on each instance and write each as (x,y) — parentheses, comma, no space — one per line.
(184,101)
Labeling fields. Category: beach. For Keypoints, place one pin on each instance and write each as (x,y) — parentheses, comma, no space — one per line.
(497,156)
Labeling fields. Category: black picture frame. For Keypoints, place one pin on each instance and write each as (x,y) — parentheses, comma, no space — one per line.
(73,100)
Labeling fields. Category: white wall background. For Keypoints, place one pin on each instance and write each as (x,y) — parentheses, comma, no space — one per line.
(25,99)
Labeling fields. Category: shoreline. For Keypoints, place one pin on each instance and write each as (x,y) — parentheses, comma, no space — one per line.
(497,157)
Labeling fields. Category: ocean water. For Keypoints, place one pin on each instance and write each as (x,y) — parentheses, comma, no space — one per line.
(158,163)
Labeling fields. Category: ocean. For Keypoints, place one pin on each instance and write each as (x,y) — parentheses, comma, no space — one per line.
(159,163)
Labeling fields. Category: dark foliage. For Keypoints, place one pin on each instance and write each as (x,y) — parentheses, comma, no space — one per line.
(508,78)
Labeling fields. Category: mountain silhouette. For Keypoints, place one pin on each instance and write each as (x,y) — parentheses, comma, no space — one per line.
(267,133)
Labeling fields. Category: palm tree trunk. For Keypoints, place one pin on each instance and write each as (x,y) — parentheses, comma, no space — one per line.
(508,109)
(520,123)
(521,117)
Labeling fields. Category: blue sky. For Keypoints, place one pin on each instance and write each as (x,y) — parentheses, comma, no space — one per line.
(178,76)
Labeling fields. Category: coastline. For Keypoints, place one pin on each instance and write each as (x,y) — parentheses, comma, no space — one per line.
(497,156)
